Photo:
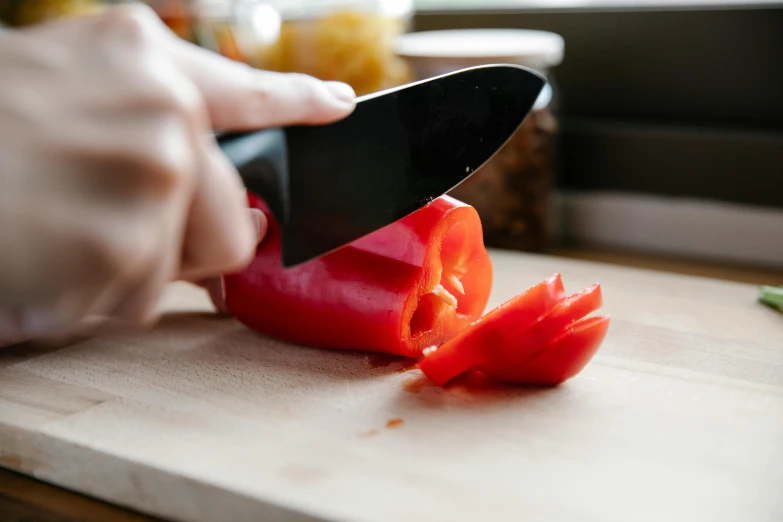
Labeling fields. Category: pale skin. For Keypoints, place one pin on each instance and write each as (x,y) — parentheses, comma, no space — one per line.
(111,184)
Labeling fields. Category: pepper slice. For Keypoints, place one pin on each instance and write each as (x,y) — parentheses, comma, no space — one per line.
(499,329)
(537,337)
(413,284)
(565,356)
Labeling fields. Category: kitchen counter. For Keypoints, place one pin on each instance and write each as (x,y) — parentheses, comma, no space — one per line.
(584,5)
(679,417)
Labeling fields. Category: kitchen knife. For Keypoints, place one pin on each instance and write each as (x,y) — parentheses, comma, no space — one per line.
(328,185)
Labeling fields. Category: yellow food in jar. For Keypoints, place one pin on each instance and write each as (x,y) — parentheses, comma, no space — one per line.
(32,12)
(352,47)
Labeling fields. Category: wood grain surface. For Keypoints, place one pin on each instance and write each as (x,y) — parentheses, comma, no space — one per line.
(679,417)
(23,499)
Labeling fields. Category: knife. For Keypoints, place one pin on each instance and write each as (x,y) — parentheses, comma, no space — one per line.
(328,185)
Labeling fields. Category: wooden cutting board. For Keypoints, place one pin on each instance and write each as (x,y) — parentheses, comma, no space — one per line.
(679,417)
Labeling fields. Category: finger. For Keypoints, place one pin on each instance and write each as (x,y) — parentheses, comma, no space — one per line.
(136,301)
(219,237)
(134,295)
(139,305)
(10,331)
(48,319)
(260,223)
(214,285)
(36,325)
(241,97)
(217,293)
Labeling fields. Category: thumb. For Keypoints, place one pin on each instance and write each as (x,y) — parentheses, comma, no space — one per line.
(260,223)
(214,285)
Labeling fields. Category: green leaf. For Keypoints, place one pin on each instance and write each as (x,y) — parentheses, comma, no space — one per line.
(772,296)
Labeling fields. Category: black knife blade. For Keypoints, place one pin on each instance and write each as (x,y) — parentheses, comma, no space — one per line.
(328,185)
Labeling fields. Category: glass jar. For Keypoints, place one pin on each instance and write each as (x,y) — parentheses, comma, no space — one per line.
(345,40)
(513,191)
(22,13)
(222,26)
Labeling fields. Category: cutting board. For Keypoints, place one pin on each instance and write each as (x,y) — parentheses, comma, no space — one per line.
(678,418)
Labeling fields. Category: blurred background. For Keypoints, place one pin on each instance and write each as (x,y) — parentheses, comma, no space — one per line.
(658,142)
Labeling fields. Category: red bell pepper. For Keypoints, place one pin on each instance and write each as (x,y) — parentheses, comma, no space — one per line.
(418,287)
(414,284)
(537,337)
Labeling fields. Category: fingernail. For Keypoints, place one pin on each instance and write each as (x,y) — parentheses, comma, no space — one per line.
(260,223)
(217,293)
(10,332)
(342,91)
(38,322)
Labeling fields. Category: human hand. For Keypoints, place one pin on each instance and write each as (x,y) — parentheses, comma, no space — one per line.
(215,286)
(111,184)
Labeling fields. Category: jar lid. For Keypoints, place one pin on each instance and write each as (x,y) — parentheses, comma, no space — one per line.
(537,48)
(306,9)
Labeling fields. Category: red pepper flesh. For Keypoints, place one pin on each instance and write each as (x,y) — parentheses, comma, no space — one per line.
(566,356)
(413,284)
(504,361)
(520,333)
(500,329)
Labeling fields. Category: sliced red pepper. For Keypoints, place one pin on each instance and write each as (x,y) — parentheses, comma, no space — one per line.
(504,362)
(413,284)
(422,282)
(499,329)
(565,356)
(520,332)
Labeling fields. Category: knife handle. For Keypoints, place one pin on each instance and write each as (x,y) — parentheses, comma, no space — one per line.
(261,158)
